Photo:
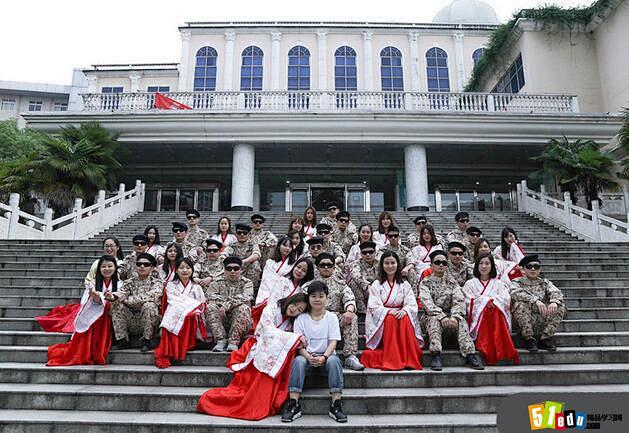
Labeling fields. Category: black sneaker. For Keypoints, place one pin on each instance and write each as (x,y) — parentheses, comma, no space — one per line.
(531,345)
(472,361)
(547,344)
(336,411)
(435,362)
(146,345)
(120,344)
(291,411)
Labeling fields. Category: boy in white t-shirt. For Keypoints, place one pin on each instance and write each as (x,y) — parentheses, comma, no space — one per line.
(321,329)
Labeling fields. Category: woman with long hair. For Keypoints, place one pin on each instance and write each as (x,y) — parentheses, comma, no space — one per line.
(418,260)
(310,223)
(385,220)
(153,246)
(224,232)
(299,243)
(93,334)
(488,312)
(506,270)
(275,268)
(393,335)
(365,233)
(173,253)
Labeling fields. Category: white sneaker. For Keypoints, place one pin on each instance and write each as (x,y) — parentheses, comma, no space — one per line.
(353,363)
(220,346)
(231,347)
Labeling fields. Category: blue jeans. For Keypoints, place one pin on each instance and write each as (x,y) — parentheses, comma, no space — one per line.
(302,368)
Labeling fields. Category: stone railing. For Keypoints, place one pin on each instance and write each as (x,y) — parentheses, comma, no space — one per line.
(588,224)
(329,101)
(81,223)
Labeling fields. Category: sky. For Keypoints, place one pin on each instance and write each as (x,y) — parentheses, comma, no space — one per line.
(43,40)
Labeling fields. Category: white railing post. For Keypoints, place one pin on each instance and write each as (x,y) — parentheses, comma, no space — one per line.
(625,200)
(78,205)
(490,103)
(100,201)
(47,228)
(215,199)
(567,202)
(518,197)
(525,197)
(438,206)
(596,228)
(143,188)
(574,104)
(138,194)
(121,191)
(14,203)
(542,199)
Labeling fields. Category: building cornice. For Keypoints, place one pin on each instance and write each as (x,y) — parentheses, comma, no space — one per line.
(334,24)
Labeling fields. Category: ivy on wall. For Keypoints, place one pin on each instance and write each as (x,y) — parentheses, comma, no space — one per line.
(563,17)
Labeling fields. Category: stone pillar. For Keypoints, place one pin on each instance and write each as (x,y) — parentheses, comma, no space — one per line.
(276,39)
(416,175)
(91,84)
(228,68)
(184,67)
(459,61)
(368,61)
(216,195)
(243,169)
(414,60)
(323,61)
(135,83)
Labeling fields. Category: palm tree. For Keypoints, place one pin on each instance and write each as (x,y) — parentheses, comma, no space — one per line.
(579,165)
(623,136)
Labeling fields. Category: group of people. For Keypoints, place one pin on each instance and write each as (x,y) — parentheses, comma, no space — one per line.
(287,308)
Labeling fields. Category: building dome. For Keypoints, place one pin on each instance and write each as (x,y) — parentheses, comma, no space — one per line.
(466,12)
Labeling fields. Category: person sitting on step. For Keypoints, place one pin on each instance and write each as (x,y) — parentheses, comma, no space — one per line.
(127,267)
(249,251)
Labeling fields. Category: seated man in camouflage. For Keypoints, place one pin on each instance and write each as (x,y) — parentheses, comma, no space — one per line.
(444,307)
(329,246)
(395,244)
(341,302)
(341,234)
(458,266)
(364,272)
(127,269)
(228,313)
(136,307)
(210,265)
(536,305)
(180,237)
(249,253)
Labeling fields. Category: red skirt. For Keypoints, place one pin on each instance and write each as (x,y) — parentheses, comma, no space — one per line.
(85,348)
(177,346)
(60,318)
(239,356)
(256,313)
(494,340)
(251,395)
(398,349)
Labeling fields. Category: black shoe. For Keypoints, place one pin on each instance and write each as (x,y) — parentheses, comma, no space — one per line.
(547,344)
(435,362)
(473,361)
(336,411)
(291,411)
(531,345)
(146,345)
(120,344)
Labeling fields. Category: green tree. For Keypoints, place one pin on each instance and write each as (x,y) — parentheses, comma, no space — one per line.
(578,165)
(623,136)
(16,143)
(75,164)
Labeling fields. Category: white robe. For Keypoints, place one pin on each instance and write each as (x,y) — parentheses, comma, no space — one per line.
(380,239)
(166,277)
(272,277)
(91,311)
(182,300)
(310,232)
(229,239)
(419,256)
(515,253)
(156,250)
(383,298)
(478,294)
(274,341)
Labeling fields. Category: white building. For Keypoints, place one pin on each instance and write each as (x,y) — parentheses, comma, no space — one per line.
(17,97)
(287,114)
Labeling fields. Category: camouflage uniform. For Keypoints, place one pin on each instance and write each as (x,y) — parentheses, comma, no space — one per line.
(340,297)
(401,251)
(524,294)
(243,250)
(458,236)
(345,239)
(334,249)
(469,250)
(235,299)
(128,268)
(363,274)
(197,236)
(187,247)
(208,268)
(441,298)
(460,273)
(265,240)
(136,308)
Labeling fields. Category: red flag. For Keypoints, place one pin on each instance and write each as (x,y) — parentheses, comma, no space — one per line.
(165,103)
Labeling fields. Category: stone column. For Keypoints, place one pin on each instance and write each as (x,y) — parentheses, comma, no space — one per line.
(243,169)
(228,67)
(414,61)
(416,175)
(91,84)
(276,39)
(368,61)
(135,83)
(323,61)
(184,67)
(459,59)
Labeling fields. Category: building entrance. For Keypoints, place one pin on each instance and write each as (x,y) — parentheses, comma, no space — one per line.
(321,197)
(353,197)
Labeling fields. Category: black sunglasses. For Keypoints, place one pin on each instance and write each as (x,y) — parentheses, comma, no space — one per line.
(457,253)
(257,221)
(178,230)
(474,235)
(143,264)
(464,220)
(241,232)
(441,262)
(344,220)
(232,268)
(326,265)
(213,250)
(535,266)
(192,217)
(367,252)
(139,243)
(324,232)
(393,235)
(332,208)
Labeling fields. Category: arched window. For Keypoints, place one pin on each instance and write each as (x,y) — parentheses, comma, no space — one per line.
(437,70)
(299,68)
(251,69)
(205,69)
(345,69)
(477,54)
(392,79)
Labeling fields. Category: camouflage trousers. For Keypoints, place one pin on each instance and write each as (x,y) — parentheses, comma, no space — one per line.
(532,324)
(254,273)
(435,331)
(349,333)
(238,320)
(361,296)
(142,322)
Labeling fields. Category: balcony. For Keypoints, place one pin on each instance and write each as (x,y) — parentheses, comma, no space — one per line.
(337,102)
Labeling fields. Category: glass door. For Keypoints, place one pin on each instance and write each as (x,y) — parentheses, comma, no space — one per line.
(186,200)
(355,200)
(299,199)
(322,196)
(168,199)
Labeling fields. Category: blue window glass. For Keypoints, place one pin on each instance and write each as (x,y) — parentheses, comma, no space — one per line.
(477,54)
(345,78)
(391,70)
(437,70)
(112,89)
(251,70)
(160,89)
(513,80)
(205,69)
(299,68)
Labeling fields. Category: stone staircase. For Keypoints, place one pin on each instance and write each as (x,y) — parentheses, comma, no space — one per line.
(130,393)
